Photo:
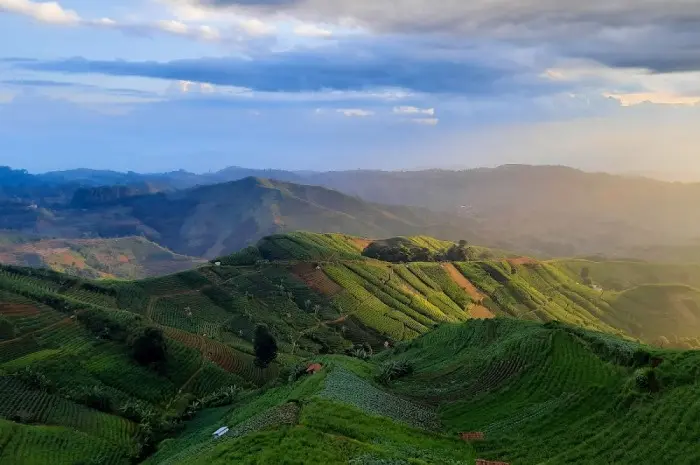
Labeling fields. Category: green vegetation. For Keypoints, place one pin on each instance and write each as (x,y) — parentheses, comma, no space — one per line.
(148,370)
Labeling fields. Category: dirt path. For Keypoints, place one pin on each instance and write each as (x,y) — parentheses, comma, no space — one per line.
(477,310)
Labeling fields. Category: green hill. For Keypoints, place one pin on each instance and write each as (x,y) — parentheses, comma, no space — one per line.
(539,394)
(116,369)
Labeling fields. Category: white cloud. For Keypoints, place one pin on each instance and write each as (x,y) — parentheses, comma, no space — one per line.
(312,30)
(638,98)
(425,121)
(175,27)
(54,13)
(355,112)
(255,27)
(47,12)
(407,110)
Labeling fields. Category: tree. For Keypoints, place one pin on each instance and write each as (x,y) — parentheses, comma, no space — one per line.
(462,243)
(585,273)
(265,346)
(148,345)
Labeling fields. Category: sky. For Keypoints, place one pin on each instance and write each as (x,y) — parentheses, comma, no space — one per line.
(158,85)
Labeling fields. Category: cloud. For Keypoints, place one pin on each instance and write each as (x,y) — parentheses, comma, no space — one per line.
(25,84)
(407,110)
(628,100)
(54,13)
(660,35)
(312,30)
(355,113)
(359,64)
(425,121)
(255,27)
(47,12)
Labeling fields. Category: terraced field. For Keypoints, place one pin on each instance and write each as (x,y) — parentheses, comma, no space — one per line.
(541,393)
(551,396)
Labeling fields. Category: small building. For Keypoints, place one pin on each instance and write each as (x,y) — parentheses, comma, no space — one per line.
(314,368)
(220,432)
(217,263)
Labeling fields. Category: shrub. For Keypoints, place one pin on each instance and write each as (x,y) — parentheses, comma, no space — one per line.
(395,369)
(97,398)
(297,371)
(34,379)
(646,381)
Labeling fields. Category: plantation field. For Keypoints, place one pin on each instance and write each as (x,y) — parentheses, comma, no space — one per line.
(551,395)
(549,367)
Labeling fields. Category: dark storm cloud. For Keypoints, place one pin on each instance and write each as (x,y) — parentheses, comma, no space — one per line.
(661,35)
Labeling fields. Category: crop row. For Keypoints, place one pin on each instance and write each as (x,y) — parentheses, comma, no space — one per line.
(438,275)
(25,444)
(93,298)
(346,387)
(115,369)
(39,407)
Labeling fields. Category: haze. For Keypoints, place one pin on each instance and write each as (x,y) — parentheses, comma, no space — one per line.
(156,85)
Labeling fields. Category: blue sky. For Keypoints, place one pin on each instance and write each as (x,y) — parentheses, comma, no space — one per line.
(153,85)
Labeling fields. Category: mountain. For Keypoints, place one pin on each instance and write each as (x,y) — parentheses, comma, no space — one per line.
(409,355)
(548,210)
(218,219)
(122,258)
(541,210)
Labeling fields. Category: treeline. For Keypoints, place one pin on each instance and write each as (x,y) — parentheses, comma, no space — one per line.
(405,251)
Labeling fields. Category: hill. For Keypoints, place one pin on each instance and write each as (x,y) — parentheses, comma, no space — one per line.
(538,394)
(117,369)
(122,258)
(218,219)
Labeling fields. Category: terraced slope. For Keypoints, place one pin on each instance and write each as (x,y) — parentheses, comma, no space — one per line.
(68,369)
(539,394)
(555,394)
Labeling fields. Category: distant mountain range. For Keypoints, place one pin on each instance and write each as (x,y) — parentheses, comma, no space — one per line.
(539,210)
(213,220)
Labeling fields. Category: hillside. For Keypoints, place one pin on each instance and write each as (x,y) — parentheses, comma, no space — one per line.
(215,220)
(122,258)
(72,350)
(538,394)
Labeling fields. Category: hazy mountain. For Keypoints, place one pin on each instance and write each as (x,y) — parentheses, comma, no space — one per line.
(217,219)
(547,210)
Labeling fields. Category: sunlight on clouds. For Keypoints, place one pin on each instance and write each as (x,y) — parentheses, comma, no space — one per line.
(311,30)
(255,27)
(628,100)
(48,12)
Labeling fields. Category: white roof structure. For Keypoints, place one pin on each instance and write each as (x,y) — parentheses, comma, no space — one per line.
(221,431)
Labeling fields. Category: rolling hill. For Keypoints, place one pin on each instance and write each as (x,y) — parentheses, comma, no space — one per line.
(546,368)
(121,258)
(218,219)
